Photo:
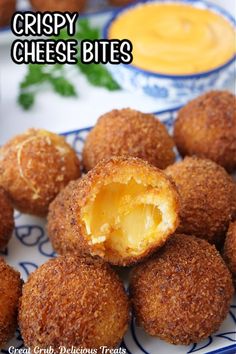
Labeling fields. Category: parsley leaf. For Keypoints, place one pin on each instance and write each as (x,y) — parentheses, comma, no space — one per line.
(62,86)
(55,75)
(98,75)
(26,100)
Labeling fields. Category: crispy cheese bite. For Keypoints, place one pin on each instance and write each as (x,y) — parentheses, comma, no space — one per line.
(122,211)
(55,5)
(131,133)
(6,219)
(10,292)
(34,167)
(72,301)
(183,293)
(206,193)
(120,2)
(7,9)
(230,250)
(206,127)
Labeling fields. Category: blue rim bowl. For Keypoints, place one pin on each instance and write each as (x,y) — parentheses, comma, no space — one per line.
(122,71)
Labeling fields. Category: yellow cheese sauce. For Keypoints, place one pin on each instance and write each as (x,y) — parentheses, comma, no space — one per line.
(175,38)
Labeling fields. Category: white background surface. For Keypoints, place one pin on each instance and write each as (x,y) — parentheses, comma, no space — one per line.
(62,114)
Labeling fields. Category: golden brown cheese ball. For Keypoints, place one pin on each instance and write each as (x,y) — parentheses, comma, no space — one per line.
(10,292)
(230,250)
(122,211)
(206,198)
(34,167)
(7,9)
(132,133)
(234,203)
(6,219)
(58,5)
(183,293)
(120,2)
(206,127)
(72,301)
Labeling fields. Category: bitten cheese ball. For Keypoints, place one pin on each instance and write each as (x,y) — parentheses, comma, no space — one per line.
(7,9)
(6,219)
(72,301)
(131,133)
(230,250)
(10,292)
(122,210)
(183,293)
(206,127)
(206,192)
(34,167)
(58,5)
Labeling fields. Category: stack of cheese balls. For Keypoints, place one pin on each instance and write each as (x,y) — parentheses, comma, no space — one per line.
(134,206)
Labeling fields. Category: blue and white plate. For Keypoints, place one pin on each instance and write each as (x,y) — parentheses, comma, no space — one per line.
(30,247)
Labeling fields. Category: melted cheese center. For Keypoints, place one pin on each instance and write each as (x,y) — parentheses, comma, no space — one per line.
(126,217)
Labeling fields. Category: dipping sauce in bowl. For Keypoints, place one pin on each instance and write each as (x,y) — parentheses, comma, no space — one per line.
(175,39)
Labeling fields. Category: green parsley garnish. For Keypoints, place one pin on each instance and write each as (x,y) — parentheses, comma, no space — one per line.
(55,76)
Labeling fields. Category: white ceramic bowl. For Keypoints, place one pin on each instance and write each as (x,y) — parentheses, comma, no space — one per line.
(172,88)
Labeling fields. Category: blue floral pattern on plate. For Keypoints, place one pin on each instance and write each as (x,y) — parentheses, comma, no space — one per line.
(30,247)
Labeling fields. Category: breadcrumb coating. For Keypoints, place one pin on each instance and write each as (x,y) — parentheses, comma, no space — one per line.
(206,127)
(206,198)
(183,293)
(6,219)
(55,5)
(131,133)
(120,2)
(34,167)
(72,301)
(10,292)
(7,9)
(122,210)
(229,252)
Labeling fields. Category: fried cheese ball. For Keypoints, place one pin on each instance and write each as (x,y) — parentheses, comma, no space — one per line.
(56,5)
(6,219)
(183,293)
(7,9)
(206,198)
(131,133)
(122,211)
(234,203)
(120,2)
(34,167)
(230,250)
(72,301)
(10,292)
(206,127)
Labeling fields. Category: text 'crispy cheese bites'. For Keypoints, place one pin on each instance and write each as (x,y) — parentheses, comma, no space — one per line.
(122,210)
